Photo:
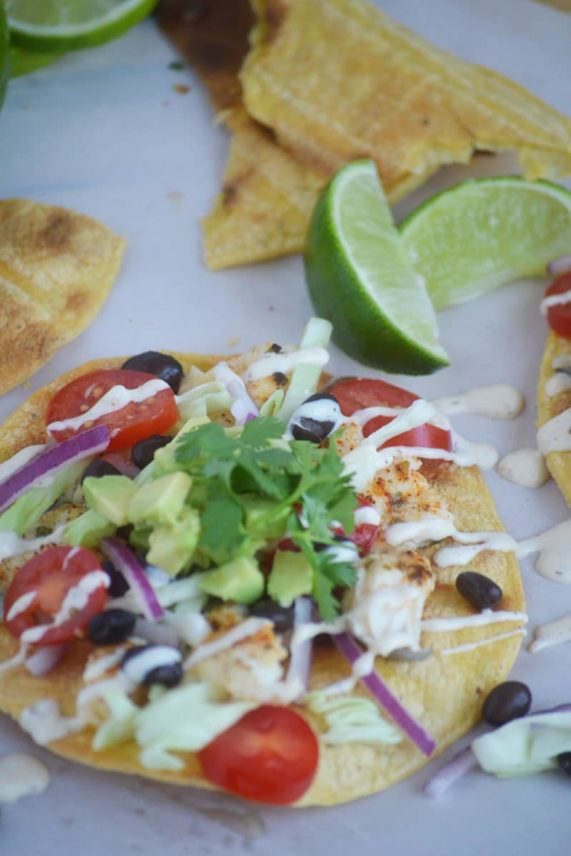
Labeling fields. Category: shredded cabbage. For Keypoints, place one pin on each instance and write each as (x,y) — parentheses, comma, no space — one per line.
(305,378)
(352,719)
(26,511)
(524,746)
(203,400)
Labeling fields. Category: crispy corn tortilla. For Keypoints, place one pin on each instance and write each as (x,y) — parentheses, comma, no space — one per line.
(445,692)
(559,463)
(267,195)
(385,93)
(56,270)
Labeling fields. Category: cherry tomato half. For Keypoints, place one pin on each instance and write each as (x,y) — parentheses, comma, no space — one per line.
(136,421)
(270,755)
(364,535)
(51,574)
(359,393)
(559,317)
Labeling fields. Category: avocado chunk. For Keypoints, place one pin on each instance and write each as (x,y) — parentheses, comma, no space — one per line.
(171,547)
(110,496)
(256,510)
(290,577)
(88,529)
(160,502)
(239,580)
(165,458)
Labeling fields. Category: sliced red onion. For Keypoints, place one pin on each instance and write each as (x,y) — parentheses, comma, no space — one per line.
(458,766)
(559,265)
(134,572)
(157,634)
(376,686)
(43,660)
(54,458)
(300,660)
(123,464)
(243,409)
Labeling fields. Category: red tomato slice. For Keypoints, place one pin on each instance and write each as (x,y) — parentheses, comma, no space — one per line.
(51,574)
(270,755)
(559,317)
(425,436)
(136,421)
(364,535)
(355,393)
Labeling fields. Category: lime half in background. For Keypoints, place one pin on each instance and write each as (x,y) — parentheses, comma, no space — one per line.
(4,54)
(485,232)
(61,25)
(360,278)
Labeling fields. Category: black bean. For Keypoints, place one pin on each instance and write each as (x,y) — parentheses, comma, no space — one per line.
(507,701)
(118,585)
(305,425)
(311,430)
(111,627)
(564,762)
(143,452)
(479,590)
(168,676)
(282,616)
(98,468)
(155,363)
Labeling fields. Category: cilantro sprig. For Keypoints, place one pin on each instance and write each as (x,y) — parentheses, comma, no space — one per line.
(254,488)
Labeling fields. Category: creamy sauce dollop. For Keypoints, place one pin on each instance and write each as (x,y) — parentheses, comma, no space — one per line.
(524,467)
(553,633)
(496,401)
(21,775)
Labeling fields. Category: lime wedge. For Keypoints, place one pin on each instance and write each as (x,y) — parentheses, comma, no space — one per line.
(360,278)
(60,25)
(4,54)
(24,62)
(485,232)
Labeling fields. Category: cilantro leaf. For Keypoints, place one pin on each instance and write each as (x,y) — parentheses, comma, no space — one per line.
(257,433)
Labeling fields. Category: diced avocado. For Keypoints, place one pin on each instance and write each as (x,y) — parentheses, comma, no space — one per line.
(239,580)
(290,577)
(160,502)
(88,529)
(171,547)
(256,510)
(110,496)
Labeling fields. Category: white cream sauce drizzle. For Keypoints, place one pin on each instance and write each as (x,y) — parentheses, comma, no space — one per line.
(496,401)
(555,435)
(21,776)
(12,545)
(480,619)
(17,461)
(489,640)
(553,633)
(75,599)
(114,399)
(554,300)
(44,722)
(554,548)
(285,362)
(557,383)
(149,659)
(525,467)
(237,634)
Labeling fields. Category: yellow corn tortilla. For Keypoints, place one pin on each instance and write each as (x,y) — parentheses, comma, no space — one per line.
(445,692)
(338,80)
(559,463)
(56,270)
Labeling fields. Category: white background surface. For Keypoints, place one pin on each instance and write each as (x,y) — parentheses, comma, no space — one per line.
(104,132)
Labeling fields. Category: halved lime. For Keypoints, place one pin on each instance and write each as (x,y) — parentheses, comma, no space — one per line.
(485,232)
(360,278)
(60,25)
(24,62)
(4,54)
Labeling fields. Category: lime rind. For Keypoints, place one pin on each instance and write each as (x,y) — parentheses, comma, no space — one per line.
(359,277)
(485,232)
(55,26)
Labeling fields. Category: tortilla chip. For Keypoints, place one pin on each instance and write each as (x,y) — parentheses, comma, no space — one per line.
(548,406)
(56,269)
(385,93)
(445,692)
